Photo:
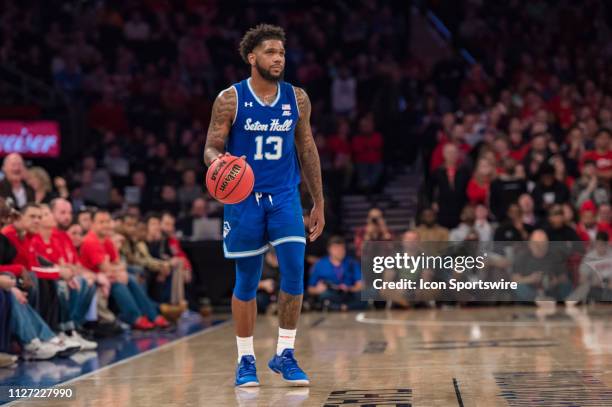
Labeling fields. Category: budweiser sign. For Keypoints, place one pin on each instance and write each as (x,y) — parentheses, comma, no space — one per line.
(30,139)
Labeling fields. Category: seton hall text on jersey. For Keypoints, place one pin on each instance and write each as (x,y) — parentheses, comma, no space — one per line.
(274,125)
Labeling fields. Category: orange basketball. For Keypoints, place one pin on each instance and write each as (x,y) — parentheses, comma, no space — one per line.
(230,179)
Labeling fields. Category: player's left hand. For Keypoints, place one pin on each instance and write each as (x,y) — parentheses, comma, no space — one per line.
(317,222)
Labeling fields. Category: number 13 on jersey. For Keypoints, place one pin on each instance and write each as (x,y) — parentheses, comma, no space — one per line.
(277,147)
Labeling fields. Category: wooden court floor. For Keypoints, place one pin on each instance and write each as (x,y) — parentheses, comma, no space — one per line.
(503,356)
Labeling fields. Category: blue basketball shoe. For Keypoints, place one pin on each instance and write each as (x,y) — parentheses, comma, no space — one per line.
(246,372)
(287,366)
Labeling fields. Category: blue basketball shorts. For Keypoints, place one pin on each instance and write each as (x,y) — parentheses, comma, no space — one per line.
(262,219)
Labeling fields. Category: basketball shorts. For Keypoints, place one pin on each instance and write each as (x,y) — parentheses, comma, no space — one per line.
(260,220)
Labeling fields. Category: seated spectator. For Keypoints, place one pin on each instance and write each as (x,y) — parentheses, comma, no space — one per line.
(448,186)
(167,201)
(429,230)
(168,222)
(482,225)
(548,191)
(189,191)
(13,186)
(540,270)
(527,208)
(134,250)
(198,226)
(38,179)
(7,281)
(96,183)
(75,231)
(37,339)
(100,255)
(590,186)
(82,299)
(513,228)
(74,292)
(468,218)
(335,280)
(84,218)
(140,192)
(375,229)
(506,189)
(116,164)
(167,285)
(561,174)
(557,228)
(367,148)
(595,272)
(602,154)
(267,290)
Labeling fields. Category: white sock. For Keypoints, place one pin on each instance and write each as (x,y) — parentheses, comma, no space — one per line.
(286,340)
(245,346)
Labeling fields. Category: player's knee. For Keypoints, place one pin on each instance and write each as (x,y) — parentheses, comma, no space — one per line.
(292,286)
(291,262)
(248,273)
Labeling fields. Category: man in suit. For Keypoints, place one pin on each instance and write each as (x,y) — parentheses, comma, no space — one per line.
(13,185)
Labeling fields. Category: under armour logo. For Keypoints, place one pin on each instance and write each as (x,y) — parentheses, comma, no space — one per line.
(248,104)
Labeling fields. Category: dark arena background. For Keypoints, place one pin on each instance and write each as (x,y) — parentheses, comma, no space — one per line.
(443,122)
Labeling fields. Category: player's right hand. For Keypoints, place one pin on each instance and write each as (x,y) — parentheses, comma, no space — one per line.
(225,154)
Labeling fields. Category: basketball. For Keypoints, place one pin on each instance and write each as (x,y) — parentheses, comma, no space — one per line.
(230,179)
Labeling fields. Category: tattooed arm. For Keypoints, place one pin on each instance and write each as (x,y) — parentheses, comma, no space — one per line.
(223,112)
(311,167)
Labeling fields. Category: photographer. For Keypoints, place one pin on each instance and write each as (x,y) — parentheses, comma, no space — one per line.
(375,229)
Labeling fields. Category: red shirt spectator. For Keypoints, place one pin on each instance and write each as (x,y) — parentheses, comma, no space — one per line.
(367,148)
(477,193)
(94,251)
(51,251)
(25,256)
(70,253)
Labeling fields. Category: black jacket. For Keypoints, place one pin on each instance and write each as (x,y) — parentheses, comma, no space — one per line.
(6,192)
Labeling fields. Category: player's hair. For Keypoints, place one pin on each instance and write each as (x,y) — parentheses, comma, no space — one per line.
(256,36)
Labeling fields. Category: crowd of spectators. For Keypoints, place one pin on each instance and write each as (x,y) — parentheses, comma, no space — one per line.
(518,146)
(68,278)
(145,74)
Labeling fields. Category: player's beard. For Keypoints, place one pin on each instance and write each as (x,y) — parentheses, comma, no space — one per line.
(267,75)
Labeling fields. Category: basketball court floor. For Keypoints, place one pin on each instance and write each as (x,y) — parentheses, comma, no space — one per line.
(502,356)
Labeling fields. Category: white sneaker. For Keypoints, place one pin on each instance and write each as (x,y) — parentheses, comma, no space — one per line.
(67,346)
(85,344)
(39,350)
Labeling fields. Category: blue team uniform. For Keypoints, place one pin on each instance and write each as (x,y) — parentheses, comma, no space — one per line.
(265,135)
(272,214)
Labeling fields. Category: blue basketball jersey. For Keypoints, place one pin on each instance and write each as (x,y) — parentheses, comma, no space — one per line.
(265,135)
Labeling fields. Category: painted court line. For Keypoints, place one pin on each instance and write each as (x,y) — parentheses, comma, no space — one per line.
(361,317)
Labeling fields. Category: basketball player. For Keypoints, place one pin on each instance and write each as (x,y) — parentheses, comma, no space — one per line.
(267,121)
